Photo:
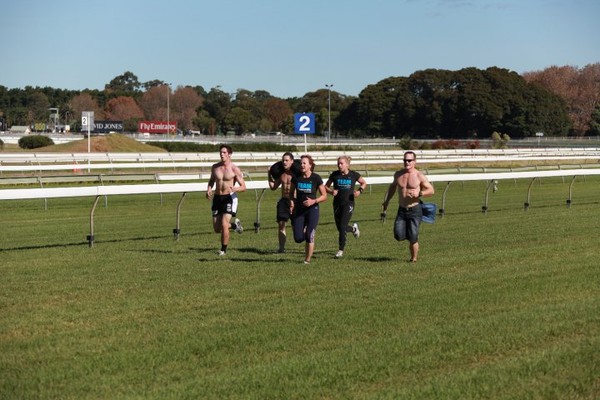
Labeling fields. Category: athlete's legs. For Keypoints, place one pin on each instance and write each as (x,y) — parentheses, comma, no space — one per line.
(217,223)
(225,222)
(399,228)
(344,228)
(337,216)
(282,236)
(312,220)
(414,251)
(298,225)
(309,249)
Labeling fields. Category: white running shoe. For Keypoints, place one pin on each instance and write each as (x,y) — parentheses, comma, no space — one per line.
(355,230)
(306,262)
(339,254)
(238,226)
(221,253)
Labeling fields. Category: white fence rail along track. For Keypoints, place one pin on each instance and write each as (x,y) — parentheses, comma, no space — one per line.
(184,188)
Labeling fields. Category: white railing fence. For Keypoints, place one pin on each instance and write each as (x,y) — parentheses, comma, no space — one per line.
(262,185)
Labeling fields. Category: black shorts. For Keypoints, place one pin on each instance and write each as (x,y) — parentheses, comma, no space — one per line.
(225,204)
(283,210)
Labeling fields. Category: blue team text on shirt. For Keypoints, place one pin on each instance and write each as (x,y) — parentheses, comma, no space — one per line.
(305,187)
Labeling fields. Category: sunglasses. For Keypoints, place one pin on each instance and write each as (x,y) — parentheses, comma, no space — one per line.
(408,160)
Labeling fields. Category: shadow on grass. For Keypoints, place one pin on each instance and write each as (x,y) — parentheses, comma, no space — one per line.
(264,252)
(375,259)
(231,258)
(44,246)
(84,243)
(214,250)
(243,254)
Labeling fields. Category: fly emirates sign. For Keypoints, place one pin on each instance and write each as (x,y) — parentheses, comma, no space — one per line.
(157,127)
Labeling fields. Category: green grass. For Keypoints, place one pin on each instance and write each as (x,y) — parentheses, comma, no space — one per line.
(502,305)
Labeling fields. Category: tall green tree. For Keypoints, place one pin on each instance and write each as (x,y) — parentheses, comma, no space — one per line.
(252,102)
(595,122)
(37,107)
(241,120)
(205,123)
(375,110)
(218,104)
(126,84)
(456,104)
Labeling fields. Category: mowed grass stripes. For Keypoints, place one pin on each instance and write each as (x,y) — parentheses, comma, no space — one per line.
(503,304)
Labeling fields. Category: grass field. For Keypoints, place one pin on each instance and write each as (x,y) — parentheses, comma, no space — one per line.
(503,305)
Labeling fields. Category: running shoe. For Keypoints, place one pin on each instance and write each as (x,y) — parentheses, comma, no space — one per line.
(238,226)
(355,230)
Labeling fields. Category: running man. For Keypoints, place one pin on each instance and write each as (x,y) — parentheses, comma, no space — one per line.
(411,184)
(225,175)
(282,178)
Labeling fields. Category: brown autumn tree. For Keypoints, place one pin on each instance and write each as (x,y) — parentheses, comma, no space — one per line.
(580,88)
(154,103)
(123,108)
(589,92)
(85,102)
(278,111)
(184,104)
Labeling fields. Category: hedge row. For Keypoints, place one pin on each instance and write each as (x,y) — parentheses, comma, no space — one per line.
(35,141)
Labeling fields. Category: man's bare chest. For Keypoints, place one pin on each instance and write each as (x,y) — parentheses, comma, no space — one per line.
(224,173)
(409,181)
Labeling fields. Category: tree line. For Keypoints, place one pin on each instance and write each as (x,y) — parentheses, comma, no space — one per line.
(432,103)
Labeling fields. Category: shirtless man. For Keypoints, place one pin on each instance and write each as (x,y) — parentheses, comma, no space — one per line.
(225,175)
(283,205)
(411,184)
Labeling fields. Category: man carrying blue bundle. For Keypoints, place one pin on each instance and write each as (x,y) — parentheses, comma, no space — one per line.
(411,185)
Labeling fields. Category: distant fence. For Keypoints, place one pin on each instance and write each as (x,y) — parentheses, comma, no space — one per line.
(184,188)
(316,140)
(42,158)
(45,162)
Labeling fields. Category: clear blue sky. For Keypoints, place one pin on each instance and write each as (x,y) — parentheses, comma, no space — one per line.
(286,47)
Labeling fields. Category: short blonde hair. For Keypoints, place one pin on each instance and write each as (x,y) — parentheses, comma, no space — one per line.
(345,157)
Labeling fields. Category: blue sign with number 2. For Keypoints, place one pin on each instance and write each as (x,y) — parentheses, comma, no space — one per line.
(304,123)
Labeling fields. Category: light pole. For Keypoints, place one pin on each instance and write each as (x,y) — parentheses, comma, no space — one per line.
(168,108)
(329,86)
